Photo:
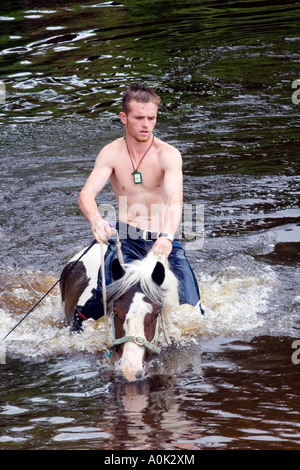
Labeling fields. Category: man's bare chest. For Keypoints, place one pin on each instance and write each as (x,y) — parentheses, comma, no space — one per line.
(130,177)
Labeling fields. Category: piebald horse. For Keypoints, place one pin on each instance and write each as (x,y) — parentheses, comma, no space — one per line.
(141,291)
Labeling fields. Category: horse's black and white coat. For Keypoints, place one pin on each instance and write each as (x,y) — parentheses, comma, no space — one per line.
(77,284)
(141,289)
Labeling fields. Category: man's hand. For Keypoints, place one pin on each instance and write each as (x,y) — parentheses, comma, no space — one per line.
(162,246)
(101,230)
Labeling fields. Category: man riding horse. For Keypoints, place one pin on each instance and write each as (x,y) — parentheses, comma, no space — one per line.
(146,177)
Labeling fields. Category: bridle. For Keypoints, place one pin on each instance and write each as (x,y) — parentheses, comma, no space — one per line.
(139,340)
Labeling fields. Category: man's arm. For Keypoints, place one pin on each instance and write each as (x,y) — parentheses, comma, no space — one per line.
(173,186)
(87,197)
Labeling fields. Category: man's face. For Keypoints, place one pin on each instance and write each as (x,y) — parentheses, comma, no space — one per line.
(140,121)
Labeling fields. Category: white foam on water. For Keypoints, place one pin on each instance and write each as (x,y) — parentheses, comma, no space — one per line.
(234,301)
(41,334)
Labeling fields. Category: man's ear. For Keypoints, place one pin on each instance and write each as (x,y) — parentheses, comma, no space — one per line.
(123,117)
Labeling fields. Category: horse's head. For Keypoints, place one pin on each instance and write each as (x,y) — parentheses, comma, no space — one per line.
(137,298)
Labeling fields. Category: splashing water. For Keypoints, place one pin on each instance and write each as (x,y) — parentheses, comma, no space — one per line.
(234,301)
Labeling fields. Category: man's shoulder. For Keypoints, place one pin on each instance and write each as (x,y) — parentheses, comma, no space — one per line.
(110,150)
(168,151)
(166,146)
(108,155)
(111,146)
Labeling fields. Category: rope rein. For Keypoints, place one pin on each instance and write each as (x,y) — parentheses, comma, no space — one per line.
(104,293)
(51,288)
(138,340)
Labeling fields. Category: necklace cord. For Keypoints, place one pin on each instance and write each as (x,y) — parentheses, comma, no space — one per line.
(135,169)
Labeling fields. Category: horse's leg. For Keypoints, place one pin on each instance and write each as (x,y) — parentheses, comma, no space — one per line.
(73,283)
(77,289)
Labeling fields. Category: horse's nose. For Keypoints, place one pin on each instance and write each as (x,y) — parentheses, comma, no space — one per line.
(130,375)
(131,363)
(139,374)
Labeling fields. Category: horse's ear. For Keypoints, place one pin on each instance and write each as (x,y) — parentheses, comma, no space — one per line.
(158,274)
(117,270)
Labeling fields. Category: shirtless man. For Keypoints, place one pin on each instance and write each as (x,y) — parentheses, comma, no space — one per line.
(146,177)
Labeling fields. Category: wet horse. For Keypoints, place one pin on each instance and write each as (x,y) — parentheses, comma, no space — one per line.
(141,291)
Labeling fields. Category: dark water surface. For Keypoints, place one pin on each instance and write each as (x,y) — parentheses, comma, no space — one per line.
(224,71)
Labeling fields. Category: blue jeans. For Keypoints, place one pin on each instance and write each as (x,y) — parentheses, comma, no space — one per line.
(137,248)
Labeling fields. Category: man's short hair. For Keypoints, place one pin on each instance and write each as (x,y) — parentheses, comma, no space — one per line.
(140,93)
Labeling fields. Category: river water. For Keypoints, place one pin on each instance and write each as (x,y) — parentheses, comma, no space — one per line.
(224,71)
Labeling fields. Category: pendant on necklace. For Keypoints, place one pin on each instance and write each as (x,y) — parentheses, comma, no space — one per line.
(137,177)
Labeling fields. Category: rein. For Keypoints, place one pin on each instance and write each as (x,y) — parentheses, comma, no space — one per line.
(54,285)
(139,340)
(104,293)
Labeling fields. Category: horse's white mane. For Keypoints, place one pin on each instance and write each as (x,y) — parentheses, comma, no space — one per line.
(139,272)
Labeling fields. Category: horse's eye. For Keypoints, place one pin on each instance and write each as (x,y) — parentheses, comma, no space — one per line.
(118,314)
